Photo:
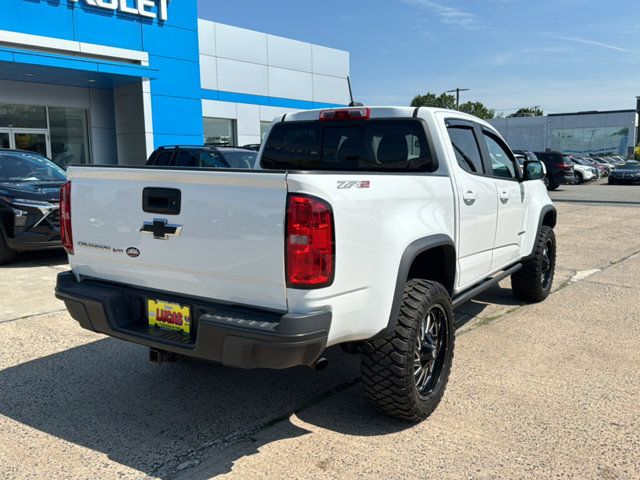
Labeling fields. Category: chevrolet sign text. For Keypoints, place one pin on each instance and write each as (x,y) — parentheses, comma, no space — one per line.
(143,8)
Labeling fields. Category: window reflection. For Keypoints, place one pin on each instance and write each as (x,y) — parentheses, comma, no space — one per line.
(69,139)
(591,140)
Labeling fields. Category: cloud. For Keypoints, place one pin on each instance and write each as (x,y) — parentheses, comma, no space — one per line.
(586,41)
(530,56)
(447,14)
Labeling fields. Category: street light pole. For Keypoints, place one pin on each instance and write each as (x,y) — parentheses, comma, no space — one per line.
(457,92)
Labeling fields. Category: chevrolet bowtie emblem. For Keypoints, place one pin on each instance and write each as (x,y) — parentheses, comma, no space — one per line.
(161,229)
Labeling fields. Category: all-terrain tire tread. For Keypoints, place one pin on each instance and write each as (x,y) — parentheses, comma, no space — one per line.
(387,362)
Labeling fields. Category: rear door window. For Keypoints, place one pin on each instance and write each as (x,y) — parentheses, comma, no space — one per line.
(384,145)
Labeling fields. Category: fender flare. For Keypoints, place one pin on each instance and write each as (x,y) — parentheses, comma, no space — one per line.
(543,213)
(410,254)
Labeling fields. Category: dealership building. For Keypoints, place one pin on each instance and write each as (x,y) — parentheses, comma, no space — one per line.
(108,81)
(582,133)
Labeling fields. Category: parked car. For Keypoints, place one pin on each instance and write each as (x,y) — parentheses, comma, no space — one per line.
(583,171)
(203,157)
(605,163)
(29,203)
(627,173)
(362,227)
(602,170)
(559,169)
(526,154)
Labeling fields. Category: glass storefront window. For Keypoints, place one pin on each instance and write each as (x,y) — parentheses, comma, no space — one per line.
(69,136)
(219,131)
(591,141)
(23,116)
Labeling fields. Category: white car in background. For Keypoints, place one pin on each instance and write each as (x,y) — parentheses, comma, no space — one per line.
(583,173)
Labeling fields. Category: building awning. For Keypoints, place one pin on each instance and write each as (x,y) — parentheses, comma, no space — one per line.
(57,69)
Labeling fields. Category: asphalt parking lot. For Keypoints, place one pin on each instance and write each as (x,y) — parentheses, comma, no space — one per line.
(548,390)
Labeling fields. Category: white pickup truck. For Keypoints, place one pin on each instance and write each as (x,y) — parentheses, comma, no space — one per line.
(361,227)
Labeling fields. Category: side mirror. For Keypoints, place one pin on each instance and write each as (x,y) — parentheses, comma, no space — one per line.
(534,170)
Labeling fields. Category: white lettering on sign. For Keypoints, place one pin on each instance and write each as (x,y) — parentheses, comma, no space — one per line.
(143,8)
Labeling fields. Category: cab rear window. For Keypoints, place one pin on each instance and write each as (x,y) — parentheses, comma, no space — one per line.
(371,145)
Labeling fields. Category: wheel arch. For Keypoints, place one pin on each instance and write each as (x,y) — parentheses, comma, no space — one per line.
(548,218)
(429,258)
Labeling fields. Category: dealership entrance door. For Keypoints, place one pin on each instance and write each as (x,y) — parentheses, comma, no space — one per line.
(31,139)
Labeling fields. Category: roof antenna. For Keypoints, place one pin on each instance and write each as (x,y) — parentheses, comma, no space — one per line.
(353,103)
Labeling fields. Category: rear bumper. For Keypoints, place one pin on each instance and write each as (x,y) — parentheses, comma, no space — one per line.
(564,177)
(234,336)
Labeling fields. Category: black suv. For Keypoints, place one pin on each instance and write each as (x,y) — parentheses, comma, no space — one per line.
(29,203)
(559,169)
(203,157)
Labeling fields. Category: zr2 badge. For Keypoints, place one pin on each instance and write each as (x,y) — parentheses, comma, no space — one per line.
(345,185)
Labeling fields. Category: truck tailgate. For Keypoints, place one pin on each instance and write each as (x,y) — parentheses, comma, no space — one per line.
(225,244)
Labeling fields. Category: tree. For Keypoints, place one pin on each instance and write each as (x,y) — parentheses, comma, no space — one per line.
(637,152)
(445,100)
(432,100)
(528,112)
(478,109)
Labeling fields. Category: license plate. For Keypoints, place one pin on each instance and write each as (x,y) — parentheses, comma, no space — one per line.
(169,316)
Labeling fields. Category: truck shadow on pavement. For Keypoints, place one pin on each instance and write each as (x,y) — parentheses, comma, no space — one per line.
(45,258)
(107,397)
(161,419)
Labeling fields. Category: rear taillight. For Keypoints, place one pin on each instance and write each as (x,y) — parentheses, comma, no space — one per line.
(362,113)
(564,166)
(65,218)
(310,251)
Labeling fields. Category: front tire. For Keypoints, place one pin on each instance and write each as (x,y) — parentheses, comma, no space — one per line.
(532,283)
(405,372)
(7,254)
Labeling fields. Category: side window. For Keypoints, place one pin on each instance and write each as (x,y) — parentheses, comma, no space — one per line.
(466,147)
(212,160)
(186,159)
(500,159)
(163,159)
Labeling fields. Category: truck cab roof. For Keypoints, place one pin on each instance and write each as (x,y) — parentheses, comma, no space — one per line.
(382,112)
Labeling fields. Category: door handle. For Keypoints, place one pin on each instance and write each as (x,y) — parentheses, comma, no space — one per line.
(504,197)
(469,198)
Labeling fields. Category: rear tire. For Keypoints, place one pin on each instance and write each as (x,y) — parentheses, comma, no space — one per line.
(533,282)
(7,254)
(579,178)
(405,372)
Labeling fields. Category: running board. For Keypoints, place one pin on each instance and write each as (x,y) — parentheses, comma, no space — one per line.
(486,284)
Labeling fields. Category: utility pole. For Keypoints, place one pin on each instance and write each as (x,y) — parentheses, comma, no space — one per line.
(457,92)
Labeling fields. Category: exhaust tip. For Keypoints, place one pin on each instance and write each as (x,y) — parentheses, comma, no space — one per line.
(320,364)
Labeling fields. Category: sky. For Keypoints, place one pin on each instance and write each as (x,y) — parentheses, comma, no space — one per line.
(561,55)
